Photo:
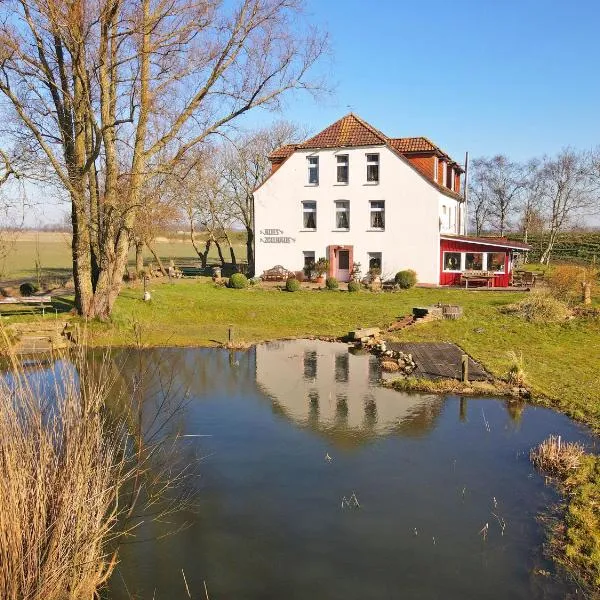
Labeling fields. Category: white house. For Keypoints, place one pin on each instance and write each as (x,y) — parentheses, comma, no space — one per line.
(352,194)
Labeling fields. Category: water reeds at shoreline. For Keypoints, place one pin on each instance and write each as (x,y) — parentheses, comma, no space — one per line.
(574,538)
(83,460)
(63,467)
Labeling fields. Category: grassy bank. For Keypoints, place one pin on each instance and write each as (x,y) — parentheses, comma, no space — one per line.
(560,360)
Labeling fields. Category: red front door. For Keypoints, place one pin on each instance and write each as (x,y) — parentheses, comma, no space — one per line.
(342,271)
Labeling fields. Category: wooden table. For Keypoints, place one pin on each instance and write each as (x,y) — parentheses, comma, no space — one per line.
(487,278)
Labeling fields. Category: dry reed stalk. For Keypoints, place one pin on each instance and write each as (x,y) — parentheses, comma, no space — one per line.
(63,465)
(557,457)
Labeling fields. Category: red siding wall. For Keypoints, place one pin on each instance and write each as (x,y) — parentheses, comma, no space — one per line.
(501,280)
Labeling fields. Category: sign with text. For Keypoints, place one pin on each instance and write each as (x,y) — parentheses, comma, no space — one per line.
(274,236)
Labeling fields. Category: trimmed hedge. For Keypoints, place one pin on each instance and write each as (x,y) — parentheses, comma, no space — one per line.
(238,281)
(332,283)
(354,286)
(406,279)
(292,285)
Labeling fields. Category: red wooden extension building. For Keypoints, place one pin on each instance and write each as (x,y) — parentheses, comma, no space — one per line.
(463,254)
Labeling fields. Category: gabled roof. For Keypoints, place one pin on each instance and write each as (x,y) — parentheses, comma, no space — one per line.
(349,131)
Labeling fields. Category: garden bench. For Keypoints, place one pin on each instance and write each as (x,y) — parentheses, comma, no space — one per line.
(486,277)
(41,301)
(277,273)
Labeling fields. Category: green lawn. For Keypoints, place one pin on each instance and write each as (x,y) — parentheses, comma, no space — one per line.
(561,360)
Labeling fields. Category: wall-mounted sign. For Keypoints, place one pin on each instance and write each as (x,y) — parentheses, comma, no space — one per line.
(274,236)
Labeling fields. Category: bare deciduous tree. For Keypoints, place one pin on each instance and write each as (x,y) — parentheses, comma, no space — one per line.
(567,193)
(479,205)
(116,90)
(245,166)
(500,182)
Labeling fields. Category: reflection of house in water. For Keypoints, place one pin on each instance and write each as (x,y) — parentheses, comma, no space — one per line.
(322,386)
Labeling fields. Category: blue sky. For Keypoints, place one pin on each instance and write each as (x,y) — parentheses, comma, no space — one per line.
(519,77)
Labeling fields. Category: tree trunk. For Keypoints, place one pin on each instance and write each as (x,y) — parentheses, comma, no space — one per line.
(157,259)
(110,280)
(139,257)
(250,250)
(545,259)
(80,247)
(232,253)
(220,251)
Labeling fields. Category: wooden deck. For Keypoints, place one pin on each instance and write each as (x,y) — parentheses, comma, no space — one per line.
(439,360)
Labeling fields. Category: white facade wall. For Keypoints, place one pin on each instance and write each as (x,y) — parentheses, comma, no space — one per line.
(412,209)
(450,221)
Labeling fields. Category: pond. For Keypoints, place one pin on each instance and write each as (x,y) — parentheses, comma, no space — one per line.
(314,482)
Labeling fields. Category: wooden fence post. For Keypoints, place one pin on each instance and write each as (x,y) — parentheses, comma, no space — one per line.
(465,368)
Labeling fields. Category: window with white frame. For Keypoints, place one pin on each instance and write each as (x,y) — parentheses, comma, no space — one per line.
(452,178)
(309,215)
(373,168)
(342,168)
(377,214)
(473,261)
(452,261)
(495,261)
(375,260)
(309,259)
(313,170)
(444,172)
(436,164)
(342,214)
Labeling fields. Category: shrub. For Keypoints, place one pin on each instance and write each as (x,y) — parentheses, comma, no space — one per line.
(292,284)
(254,280)
(516,373)
(406,279)
(28,289)
(565,282)
(332,283)
(321,266)
(238,281)
(354,286)
(539,308)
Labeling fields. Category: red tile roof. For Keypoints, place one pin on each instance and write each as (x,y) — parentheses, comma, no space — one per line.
(349,131)
(413,144)
(283,152)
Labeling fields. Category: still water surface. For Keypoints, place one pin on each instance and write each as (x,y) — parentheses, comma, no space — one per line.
(294,428)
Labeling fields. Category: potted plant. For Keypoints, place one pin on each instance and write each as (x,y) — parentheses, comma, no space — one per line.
(309,270)
(356,273)
(375,278)
(321,267)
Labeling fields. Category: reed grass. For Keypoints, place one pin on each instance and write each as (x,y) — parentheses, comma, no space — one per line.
(63,466)
(557,457)
(84,459)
